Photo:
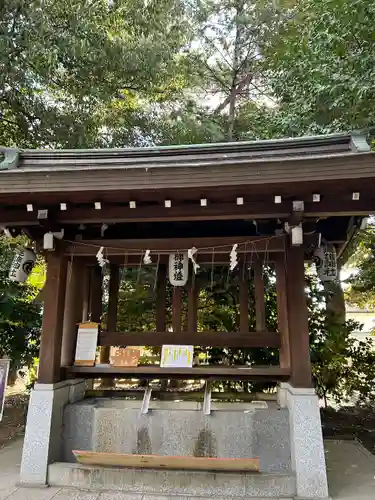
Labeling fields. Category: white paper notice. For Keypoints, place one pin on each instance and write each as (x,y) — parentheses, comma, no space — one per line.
(177,356)
(87,340)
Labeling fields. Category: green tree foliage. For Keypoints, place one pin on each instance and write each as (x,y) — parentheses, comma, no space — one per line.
(72,72)
(321,66)
(361,291)
(342,366)
(20,314)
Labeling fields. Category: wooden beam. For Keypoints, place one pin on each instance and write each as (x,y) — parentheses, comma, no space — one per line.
(73,311)
(244,298)
(169,245)
(260,309)
(53,315)
(18,216)
(192,337)
(234,396)
(132,260)
(218,372)
(167,463)
(282,310)
(297,318)
(176,309)
(161,293)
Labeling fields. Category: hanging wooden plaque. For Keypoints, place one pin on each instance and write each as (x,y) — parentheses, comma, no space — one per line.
(87,341)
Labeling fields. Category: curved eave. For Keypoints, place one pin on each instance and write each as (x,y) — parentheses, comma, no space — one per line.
(211,173)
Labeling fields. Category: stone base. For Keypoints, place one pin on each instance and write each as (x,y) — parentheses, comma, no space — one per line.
(234,430)
(308,459)
(189,484)
(43,435)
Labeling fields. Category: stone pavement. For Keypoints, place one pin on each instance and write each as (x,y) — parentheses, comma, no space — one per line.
(351,476)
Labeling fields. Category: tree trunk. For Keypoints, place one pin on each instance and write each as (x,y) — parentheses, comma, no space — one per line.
(335,300)
(235,71)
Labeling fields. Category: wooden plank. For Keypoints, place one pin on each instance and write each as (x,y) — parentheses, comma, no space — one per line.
(282,310)
(167,462)
(214,372)
(298,318)
(204,339)
(176,310)
(260,309)
(161,292)
(53,315)
(168,245)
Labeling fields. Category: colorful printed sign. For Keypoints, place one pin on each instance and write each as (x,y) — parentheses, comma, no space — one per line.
(125,356)
(177,356)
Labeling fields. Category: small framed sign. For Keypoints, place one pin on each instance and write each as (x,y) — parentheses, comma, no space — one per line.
(4,372)
(87,341)
(125,356)
(177,356)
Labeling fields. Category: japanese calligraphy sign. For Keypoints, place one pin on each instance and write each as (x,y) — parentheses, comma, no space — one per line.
(87,340)
(177,356)
(178,269)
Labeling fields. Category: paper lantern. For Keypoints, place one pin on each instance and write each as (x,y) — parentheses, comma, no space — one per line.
(326,263)
(22,265)
(178,269)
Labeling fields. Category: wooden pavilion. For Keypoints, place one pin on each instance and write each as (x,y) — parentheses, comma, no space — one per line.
(275,201)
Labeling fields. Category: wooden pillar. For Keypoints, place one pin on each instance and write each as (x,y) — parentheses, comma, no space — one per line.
(176,309)
(96,294)
(53,315)
(260,311)
(161,292)
(86,293)
(244,299)
(282,310)
(114,282)
(193,293)
(297,318)
(73,311)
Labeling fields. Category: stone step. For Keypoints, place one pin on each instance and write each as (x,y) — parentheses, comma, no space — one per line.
(173,483)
